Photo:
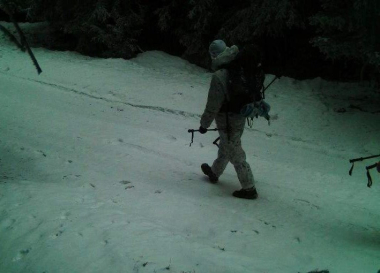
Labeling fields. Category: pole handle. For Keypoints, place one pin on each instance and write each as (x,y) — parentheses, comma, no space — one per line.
(363,158)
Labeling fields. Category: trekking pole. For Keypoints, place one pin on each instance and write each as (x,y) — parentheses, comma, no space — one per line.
(275,78)
(267,117)
(369,184)
(216,142)
(360,159)
(192,133)
(266,87)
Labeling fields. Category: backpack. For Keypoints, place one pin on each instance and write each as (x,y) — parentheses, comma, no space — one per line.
(245,80)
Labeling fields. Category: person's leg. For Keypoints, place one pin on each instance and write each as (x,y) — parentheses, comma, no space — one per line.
(222,160)
(244,173)
(237,155)
(242,168)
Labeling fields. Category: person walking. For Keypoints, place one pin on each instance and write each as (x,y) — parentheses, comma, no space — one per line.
(229,122)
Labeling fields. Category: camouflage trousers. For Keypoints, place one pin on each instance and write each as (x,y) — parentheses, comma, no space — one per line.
(230,150)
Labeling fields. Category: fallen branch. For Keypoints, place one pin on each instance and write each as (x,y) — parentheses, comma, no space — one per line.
(23,43)
(12,38)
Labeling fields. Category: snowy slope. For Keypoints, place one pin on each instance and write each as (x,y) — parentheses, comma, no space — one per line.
(97,174)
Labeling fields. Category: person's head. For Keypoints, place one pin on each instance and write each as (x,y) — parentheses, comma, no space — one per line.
(216,48)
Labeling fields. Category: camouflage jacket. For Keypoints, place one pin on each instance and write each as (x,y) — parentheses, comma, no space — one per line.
(218,91)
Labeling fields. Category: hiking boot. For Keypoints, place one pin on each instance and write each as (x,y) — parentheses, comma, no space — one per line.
(246,193)
(206,169)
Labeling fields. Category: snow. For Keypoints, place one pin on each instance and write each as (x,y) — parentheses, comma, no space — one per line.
(96,172)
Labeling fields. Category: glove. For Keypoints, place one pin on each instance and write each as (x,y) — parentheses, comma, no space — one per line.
(378,167)
(264,109)
(260,108)
(250,110)
(202,130)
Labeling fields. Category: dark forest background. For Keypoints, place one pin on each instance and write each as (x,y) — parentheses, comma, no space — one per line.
(332,39)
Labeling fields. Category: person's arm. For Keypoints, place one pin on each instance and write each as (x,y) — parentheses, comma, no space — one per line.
(214,102)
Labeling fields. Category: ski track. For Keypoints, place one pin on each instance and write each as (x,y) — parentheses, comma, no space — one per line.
(67,89)
(308,144)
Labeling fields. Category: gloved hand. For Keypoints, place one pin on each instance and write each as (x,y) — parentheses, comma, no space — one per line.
(202,130)
(378,167)
(264,109)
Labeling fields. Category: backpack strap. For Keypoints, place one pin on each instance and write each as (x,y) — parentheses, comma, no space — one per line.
(228,129)
(225,84)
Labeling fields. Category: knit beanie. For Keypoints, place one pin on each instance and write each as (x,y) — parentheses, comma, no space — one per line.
(217,47)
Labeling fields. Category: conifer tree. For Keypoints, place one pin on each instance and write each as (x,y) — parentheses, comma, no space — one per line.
(108,28)
(350,30)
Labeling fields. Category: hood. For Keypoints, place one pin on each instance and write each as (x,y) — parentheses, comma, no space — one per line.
(225,57)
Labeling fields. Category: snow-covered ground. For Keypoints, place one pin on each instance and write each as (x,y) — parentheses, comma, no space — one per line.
(96,172)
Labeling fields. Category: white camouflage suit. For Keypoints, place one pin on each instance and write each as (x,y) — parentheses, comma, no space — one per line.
(229,150)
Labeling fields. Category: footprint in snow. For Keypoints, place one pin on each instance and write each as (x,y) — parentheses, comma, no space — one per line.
(65,215)
(128,183)
(39,152)
(71,176)
(170,137)
(8,224)
(21,254)
(113,141)
(274,117)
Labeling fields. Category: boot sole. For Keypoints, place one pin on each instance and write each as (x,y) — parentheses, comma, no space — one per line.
(249,197)
(207,171)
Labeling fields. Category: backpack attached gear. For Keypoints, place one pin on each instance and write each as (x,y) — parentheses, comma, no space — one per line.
(246,85)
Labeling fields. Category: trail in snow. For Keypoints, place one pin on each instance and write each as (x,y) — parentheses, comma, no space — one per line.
(91,183)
